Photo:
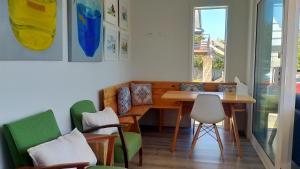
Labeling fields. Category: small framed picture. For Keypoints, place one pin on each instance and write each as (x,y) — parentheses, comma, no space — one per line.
(111,11)
(110,43)
(123,14)
(124,46)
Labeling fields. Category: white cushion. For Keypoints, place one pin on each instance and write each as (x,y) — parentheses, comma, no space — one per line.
(101,118)
(70,148)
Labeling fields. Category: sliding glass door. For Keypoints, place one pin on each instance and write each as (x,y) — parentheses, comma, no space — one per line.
(267,74)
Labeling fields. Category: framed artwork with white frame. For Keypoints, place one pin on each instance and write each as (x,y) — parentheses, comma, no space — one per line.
(85,30)
(123,14)
(111,43)
(111,11)
(124,45)
(37,36)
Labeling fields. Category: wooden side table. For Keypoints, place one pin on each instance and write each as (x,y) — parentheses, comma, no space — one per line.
(100,148)
(103,147)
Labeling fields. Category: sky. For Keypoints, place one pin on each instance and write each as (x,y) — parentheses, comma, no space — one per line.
(278,12)
(214,22)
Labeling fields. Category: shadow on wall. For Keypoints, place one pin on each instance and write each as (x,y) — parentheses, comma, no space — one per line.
(5,161)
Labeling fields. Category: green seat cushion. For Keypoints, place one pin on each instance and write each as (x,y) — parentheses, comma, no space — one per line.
(29,132)
(133,142)
(78,108)
(104,167)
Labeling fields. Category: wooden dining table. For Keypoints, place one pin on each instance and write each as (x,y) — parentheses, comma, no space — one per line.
(230,99)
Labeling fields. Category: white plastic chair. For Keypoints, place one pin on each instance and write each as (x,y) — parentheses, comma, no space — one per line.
(207,109)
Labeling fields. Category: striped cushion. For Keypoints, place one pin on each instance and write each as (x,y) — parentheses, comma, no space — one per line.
(141,94)
(196,87)
(124,100)
(227,88)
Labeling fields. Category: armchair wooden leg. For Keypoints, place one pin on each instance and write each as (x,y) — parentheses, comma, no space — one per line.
(141,156)
(195,139)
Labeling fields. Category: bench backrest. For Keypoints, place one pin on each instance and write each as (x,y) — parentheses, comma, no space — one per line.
(109,96)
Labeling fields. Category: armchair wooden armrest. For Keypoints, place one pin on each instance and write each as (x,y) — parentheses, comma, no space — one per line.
(97,137)
(119,126)
(135,120)
(60,166)
(120,131)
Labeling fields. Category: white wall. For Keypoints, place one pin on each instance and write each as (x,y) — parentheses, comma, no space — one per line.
(162,38)
(161,35)
(27,88)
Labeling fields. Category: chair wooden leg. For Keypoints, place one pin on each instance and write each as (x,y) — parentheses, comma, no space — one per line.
(194,125)
(195,138)
(141,156)
(219,141)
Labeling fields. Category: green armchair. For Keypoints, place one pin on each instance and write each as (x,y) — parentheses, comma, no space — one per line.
(34,130)
(133,139)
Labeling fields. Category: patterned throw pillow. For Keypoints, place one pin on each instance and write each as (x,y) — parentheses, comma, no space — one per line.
(195,87)
(124,100)
(141,94)
(227,88)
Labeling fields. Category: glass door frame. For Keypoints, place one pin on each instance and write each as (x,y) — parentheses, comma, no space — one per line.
(288,91)
(287,96)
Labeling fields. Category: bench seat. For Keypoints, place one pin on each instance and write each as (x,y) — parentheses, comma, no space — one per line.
(108,98)
(140,110)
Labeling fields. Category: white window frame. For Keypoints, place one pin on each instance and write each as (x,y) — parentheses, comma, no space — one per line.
(283,157)
(191,44)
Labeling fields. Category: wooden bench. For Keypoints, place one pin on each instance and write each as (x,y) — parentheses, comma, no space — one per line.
(109,98)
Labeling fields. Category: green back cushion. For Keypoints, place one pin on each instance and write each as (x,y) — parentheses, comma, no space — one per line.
(133,143)
(78,108)
(29,132)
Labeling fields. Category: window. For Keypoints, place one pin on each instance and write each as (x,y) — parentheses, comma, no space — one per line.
(209,44)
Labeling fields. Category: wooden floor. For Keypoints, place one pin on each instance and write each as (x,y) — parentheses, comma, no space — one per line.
(157,153)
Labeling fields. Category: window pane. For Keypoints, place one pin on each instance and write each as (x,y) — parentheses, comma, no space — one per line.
(209,44)
(267,74)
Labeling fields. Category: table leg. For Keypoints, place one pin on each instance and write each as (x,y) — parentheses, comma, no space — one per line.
(178,120)
(235,131)
(227,117)
(231,130)
(226,124)
(161,119)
